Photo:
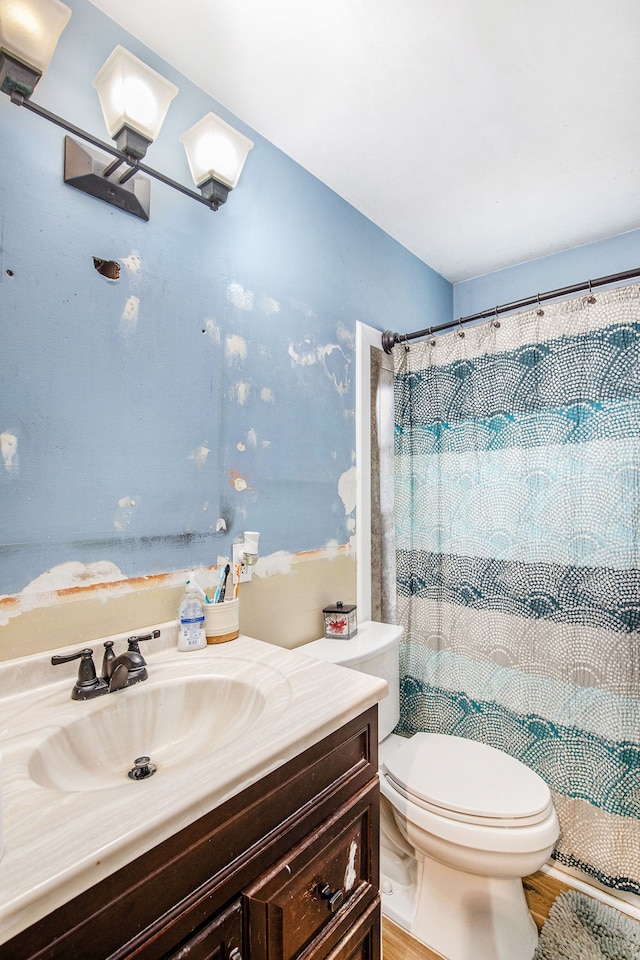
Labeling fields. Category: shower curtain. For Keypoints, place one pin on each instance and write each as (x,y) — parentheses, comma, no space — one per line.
(517,475)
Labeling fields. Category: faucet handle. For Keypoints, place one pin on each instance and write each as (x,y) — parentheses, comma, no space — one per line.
(87,681)
(134,641)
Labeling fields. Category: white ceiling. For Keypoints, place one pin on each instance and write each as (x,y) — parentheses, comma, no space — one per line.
(478,133)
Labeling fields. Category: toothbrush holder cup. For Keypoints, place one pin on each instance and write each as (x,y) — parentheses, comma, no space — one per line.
(222,621)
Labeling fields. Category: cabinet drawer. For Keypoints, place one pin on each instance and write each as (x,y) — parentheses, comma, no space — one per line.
(319,885)
(363,941)
(220,939)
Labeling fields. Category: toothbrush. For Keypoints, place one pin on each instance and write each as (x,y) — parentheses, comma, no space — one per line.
(224,584)
(221,580)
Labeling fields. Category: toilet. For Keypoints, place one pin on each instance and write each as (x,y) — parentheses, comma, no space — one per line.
(461,823)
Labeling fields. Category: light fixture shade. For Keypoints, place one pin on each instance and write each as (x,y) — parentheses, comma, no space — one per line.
(132,95)
(215,151)
(30,29)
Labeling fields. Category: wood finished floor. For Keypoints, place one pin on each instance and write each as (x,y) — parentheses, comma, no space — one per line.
(398,945)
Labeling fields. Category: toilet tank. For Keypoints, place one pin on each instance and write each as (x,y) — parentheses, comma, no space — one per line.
(375,650)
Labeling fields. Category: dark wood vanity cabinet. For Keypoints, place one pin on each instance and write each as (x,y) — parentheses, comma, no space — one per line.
(286,870)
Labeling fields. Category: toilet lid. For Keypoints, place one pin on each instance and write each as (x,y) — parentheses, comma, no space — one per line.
(454,775)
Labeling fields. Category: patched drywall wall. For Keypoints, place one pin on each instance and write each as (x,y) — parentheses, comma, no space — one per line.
(78,605)
(168,384)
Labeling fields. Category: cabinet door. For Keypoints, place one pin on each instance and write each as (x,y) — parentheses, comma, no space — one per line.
(319,888)
(220,939)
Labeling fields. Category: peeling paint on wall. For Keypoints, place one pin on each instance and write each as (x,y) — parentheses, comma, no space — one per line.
(103,582)
(129,318)
(56,584)
(281,562)
(241,391)
(347,489)
(157,347)
(332,549)
(269,306)
(221,525)
(74,574)
(239,297)
(252,441)
(199,456)
(131,263)
(9,452)
(124,513)
(238,483)
(277,563)
(212,330)
(336,366)
(235,348)
(347,336)
(305,353)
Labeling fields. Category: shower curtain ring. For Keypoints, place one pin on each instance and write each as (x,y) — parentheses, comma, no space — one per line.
(460,331)
(591,298)
(539,311)
(495,322)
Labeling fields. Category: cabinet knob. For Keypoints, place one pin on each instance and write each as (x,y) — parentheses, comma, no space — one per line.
(333,897)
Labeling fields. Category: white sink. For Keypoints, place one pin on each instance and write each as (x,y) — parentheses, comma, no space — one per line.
(213,721)
(172,722)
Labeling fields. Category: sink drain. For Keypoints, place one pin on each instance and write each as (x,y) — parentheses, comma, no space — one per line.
(142,769)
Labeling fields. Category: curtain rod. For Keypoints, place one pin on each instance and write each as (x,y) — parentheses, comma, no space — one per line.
(390,339)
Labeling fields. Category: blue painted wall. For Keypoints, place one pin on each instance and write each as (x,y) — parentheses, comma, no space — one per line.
(214,379)
(587,262)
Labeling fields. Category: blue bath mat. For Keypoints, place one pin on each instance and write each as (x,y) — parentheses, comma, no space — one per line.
(581,928)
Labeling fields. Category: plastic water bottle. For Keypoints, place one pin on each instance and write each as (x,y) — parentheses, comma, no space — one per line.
(191,632)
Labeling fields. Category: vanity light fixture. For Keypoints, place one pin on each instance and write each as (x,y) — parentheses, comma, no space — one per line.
(29,33)
(134,100)
(216,154)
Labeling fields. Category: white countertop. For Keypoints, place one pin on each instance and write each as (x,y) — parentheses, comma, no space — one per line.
(58,843)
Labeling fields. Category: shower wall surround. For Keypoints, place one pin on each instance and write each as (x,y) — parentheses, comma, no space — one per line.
(146,421)
(517,479)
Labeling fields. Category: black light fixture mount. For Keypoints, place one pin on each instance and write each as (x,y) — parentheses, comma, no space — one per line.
(87,171)
(16,76)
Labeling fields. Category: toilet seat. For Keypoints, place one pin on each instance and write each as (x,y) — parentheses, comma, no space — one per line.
(464,780)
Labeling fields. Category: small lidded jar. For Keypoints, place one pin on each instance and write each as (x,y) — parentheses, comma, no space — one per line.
(340,620)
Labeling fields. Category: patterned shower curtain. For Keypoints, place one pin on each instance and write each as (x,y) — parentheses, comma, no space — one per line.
(518,557)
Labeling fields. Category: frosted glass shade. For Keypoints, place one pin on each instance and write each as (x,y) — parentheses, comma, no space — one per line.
(215,150)
(30,29)
(132,95)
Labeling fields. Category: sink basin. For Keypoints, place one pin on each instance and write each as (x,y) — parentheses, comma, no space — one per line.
(170,721)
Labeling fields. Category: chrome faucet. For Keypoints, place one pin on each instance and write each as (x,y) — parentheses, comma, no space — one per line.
(117,672)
